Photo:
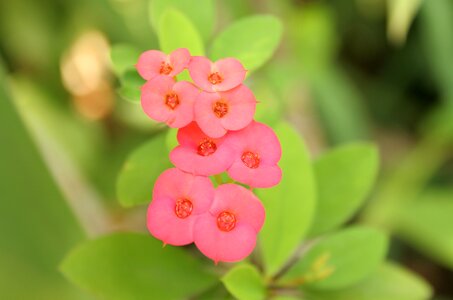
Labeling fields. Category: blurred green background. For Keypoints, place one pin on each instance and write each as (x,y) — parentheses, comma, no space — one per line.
(346,70)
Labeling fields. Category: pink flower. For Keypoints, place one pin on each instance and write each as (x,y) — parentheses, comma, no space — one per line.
(200,154)
(178,200)
(216,113)
(223,75)
(153,63)
(257,154)
(164,100)
(227,232)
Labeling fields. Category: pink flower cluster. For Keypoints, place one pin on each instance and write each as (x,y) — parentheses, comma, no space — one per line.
(216,134)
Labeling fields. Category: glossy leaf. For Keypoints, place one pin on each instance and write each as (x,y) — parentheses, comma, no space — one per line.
(340,259)
(123,57)
(200,12)
(427,224)
(177,31)
(389,282)
(289,205)
(252,40)
(244,282)
(131,84)
(344,176)
(125,266)
(140,171)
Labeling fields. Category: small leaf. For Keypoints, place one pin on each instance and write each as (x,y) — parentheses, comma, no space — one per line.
(252,40)
(340,259)
(389,282)
(200,12)
(127,266)
(289,205)
(428,225)
(131,83)
(135,181)
(344,176)
(123,57)
(177,31)
(401,14)
(245,283)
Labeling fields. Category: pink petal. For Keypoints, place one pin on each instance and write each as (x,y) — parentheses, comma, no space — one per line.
(240,201)
(149,63)
(259,138)
(179,60)
(209,123)
(164,225)
(174,184)
(242,104)
(199,70)
(218,245)
(232,71)
(183,114)
(262,177)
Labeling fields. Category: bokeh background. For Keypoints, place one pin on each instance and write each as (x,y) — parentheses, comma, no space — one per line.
(346,70)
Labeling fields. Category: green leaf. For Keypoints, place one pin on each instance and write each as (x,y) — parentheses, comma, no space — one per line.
(132,266)
(401,14)
(200,12)
(245,283)
(289,205)
(340,259)
(344,176)
(427,224)
(389,282)
(131,83)
(136,179)
(252,40)
(123,57)
(177,31)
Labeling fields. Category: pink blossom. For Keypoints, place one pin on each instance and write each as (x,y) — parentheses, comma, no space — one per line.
(164,100)
(216,113)
(178,200)
(200,154)
(257,154)
(223,75)
(153,63)
(227,232)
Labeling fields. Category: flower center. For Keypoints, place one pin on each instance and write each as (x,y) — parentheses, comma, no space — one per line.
(226,221)
(220,108)
(206,147)
(183,208)
(215,78)
(171,100)
(251,159)
(165,68)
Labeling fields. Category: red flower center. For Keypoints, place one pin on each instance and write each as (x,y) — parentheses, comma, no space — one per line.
(251,159)
(215,78)
(165,68)
(206,147)
(183,208)
(220,108)
(171,100)
(226,221)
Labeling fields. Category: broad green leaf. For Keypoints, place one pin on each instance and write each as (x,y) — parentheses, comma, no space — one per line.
(344,176)
(36,224)
(177,31)
(136,179)
(341,259)
(389,282)
(289,205)
(125,266)
(123,57)
(401,14)
(131,83)
(428,225)
(200,12)
(252,40)
(245,283)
